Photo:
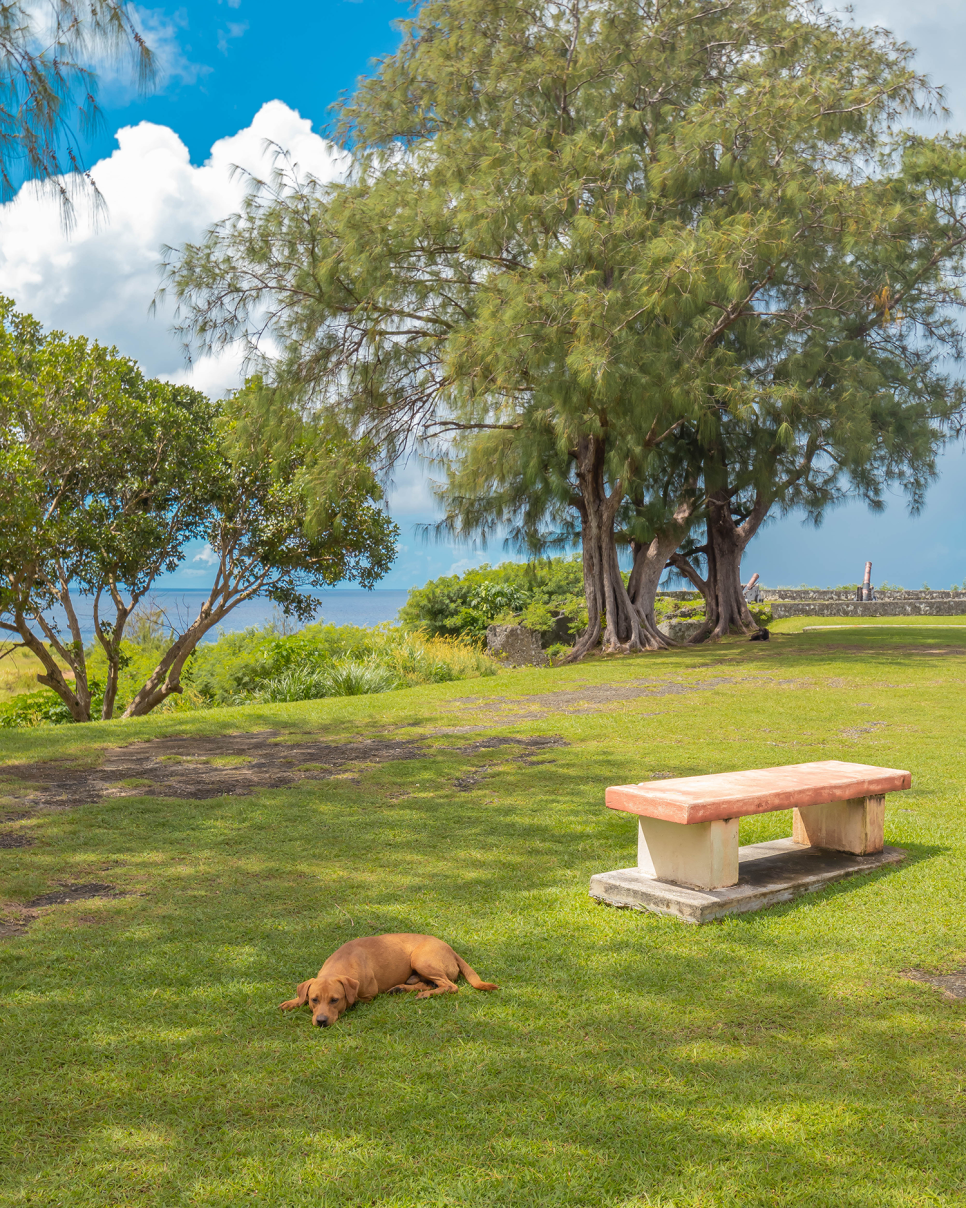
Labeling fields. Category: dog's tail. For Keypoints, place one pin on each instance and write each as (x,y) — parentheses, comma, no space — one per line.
(472,976)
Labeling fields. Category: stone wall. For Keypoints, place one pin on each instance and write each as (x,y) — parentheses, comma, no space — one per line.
(819,593)
(934,607)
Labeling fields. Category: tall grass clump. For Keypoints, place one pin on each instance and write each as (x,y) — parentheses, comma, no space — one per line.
(265,665)
(325,660)
(344,677)
(395,660)
(418,659)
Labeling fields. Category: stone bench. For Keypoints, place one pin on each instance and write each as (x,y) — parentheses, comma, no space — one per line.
(688,827)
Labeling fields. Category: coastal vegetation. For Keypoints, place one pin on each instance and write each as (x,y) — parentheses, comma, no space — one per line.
(107,475)
(256,665)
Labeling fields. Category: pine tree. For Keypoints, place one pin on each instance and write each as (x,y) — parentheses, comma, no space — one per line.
(47,86)
(621,265)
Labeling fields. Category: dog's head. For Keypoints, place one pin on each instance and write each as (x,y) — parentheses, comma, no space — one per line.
(328,998)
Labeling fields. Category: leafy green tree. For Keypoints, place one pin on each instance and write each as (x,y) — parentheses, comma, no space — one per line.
(47,93)
(586,247)
(271,535)
(105,476)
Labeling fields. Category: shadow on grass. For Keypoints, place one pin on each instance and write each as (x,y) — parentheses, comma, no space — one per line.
(607,1066)
(773,1060)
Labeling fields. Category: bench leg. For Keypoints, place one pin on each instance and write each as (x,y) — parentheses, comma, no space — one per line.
(856,826)
(703,855)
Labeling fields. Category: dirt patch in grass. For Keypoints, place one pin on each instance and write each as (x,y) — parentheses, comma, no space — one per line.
(74,893)
(532,746)
(590,699)
(13,839)
(11,927)
(25,913)
(537,742)
(196,768)
(953,985)
(238,764)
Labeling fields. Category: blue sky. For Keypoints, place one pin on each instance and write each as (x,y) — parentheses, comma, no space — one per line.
(235,72)
(222,59)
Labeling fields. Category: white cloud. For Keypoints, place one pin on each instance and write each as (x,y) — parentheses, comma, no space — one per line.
(206,556)
(410,492)
(116,78)
(100,280)
(234,29)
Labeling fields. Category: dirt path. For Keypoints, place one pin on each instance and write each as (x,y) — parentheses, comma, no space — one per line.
(216,766)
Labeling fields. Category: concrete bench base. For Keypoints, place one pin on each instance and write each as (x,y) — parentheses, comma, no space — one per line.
(768,873)
(704,855)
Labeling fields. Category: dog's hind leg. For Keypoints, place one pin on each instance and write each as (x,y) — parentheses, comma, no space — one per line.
(443,987)
(411,983)
(436,963)
(436,981)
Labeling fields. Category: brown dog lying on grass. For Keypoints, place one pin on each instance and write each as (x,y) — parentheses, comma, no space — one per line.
(382,964)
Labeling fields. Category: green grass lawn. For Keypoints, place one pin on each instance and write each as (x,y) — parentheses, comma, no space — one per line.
(778,1058)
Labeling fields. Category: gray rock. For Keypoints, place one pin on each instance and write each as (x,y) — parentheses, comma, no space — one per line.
(561,631)
(680,630)
(516,646)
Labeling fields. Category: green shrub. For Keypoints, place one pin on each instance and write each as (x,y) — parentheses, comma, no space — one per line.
(396,659)
(240,664)
(34,709)
(666,607)
(44,708)
(298,683)
(556,651)
(529,593)
(761,613)
(264,665)
(350,677)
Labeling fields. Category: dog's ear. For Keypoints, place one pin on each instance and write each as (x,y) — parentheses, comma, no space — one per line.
(303,997)
(351,990)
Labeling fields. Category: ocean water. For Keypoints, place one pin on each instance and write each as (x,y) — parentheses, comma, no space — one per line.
(340,606)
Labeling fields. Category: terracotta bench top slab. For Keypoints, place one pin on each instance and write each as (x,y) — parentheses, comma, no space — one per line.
(735,794)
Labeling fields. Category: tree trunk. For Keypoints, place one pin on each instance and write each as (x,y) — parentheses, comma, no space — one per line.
(165,680)
(650,562)
(726,609)
(726,544)
(684,567)
(53,677)
(112,646)
(76,698)
(609,606)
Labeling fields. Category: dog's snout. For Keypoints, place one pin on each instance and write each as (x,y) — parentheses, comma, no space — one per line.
(321,1021)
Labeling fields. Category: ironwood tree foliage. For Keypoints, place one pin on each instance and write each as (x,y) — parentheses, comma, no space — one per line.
(626,266)
(48,87)
(105,476)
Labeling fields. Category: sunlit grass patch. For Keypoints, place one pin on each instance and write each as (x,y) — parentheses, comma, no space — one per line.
(776,1058)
